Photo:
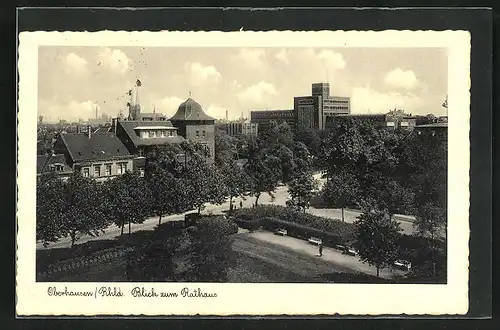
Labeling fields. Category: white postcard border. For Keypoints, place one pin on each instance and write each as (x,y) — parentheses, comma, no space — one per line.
(252,299)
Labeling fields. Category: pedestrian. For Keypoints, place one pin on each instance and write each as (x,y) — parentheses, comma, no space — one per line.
(241,204)
(320,249)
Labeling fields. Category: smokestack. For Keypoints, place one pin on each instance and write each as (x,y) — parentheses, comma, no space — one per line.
(226,115)
(96,116)
(89,131)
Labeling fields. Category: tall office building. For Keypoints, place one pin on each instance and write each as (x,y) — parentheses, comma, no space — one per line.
(311,111)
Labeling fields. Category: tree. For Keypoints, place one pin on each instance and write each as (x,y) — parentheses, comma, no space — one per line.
(377,237)
(264,172)
(210,253)
(49,208)
(165,190)
(301,188)
(341,190)
(430,222)
(130,199)
(84,205)
(235,180)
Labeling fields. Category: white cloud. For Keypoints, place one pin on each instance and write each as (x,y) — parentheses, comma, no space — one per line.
(75,64)
(368,100)
(114,59)
(200,74)
(70,111)
(257,93)
(283,56)
(168,105)
(331,59)
(252,57)
(401,78)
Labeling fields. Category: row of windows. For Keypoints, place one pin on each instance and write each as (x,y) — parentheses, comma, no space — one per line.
(156,134)
(326,107)
(202,132)
(121,169)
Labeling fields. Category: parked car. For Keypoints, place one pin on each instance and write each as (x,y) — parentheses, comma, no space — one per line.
(341,247)
(351,251)
(403,264)
(315,240)
(281,232)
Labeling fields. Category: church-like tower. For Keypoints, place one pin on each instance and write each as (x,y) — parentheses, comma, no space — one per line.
(195,125)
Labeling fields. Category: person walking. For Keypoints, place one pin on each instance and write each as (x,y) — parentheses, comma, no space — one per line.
(320,249)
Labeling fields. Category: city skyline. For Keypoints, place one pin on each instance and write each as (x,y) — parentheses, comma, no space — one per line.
(73,81)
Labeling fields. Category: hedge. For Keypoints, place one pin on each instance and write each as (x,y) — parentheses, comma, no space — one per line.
(298,222)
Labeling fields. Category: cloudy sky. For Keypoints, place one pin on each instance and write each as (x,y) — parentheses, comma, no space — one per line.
(75,80)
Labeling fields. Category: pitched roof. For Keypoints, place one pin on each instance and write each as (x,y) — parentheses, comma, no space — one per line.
(43,163)
(129,126)
(190,110)
(100,146)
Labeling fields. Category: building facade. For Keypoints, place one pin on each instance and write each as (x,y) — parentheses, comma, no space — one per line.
(309,112)
(263,118)
(195,125)
(238,128)
(101,156)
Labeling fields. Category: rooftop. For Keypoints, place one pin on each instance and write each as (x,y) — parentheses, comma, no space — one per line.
(130,126)
(100,146)
(43,163)
(190,110)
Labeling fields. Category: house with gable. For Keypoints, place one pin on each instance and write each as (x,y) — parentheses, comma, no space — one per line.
(100,155)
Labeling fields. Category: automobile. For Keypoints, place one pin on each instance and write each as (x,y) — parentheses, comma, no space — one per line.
(341,247)
(403,264)
(281,232)
(351,251)
(315,240)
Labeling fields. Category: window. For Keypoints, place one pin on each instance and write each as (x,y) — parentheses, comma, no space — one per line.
(162,134)
(141,172)
(144,135)
(122,168)
(170,133)
(97,170)
(86,172)
(152,134)
(141,153)
(108,169)
(197,134)
(203,133)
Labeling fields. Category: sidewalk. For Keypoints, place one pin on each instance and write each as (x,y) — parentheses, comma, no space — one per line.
(331,255)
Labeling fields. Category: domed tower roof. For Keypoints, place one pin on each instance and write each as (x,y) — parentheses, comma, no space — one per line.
(190,110)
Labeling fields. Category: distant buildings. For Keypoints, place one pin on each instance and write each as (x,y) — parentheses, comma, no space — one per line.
(440,129)
(236,128)
(309,112)
(263,118)
(109,151)
(391,120)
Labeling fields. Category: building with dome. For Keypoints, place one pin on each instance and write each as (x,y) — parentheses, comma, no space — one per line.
(140,131)
(195,125)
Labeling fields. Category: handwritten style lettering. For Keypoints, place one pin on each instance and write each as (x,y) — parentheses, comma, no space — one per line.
(54,292)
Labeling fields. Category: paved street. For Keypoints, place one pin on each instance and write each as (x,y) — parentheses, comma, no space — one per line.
(281,195)
(305,261)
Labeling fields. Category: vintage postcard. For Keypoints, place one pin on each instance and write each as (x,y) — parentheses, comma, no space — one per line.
(243,173)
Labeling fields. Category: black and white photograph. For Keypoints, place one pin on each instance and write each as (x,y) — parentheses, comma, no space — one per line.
(173,168)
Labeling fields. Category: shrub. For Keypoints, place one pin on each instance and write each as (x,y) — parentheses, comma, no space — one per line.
(297,223)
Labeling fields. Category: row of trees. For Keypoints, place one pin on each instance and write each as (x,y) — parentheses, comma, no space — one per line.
(171,185)
(386,172)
